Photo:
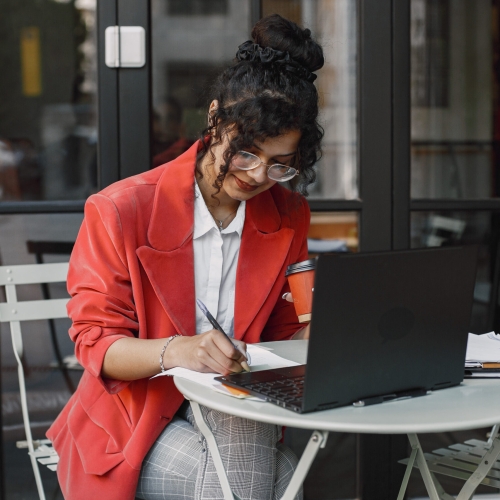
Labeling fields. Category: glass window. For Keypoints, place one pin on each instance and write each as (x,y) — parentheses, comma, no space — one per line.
(191,42)
(430,229)
(333,24)
(333,232)
(47,111)
(189,51)
(454,93)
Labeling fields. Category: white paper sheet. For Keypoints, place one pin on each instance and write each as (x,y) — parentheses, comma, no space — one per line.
(483,348)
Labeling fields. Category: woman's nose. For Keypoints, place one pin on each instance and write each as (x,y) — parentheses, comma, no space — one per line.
(258,174)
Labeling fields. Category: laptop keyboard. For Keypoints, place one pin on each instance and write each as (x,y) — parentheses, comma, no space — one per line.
(287,392)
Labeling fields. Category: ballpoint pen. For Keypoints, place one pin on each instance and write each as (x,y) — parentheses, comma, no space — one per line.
(215,324)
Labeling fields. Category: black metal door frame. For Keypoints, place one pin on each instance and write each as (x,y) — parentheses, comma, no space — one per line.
(124,98)
(108,143)
(384,163)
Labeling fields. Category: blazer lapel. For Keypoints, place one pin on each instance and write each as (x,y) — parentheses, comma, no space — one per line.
(169,260)
(263,252)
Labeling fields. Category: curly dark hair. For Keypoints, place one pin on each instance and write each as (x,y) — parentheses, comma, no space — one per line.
(267,92)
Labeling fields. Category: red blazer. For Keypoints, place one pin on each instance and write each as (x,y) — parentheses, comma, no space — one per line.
(132,274)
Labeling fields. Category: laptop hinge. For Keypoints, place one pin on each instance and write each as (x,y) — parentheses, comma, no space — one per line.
(395,396)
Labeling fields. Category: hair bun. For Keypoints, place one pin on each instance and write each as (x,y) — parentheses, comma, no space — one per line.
(279,33)
(249,51)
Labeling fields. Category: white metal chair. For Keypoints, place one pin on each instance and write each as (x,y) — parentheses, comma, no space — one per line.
(443,229)
(475,462)
(13,312)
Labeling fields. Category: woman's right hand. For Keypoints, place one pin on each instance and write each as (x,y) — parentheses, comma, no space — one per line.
(209,352)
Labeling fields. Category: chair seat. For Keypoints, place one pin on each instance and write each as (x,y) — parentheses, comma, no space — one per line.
(44,452)
(461,461)
(70,362)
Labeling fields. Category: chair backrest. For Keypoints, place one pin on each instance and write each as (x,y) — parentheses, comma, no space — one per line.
(442,229)
(12,276)
(14,311)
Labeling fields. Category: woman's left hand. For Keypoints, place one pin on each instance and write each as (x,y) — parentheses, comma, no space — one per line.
(302,334)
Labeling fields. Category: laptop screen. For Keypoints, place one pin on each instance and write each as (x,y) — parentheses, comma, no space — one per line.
(389,321)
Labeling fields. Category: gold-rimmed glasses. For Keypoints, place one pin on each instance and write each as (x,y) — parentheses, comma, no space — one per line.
(243,160)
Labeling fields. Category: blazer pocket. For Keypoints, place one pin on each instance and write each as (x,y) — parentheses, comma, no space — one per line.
(97,448)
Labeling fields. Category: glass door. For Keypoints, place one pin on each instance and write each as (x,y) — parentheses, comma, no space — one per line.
(454,136)
(334,24)
(192,41)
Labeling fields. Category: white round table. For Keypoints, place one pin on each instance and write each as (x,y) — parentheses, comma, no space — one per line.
(473,404)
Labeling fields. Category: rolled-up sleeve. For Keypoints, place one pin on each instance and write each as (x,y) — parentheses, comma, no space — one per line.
(101,306)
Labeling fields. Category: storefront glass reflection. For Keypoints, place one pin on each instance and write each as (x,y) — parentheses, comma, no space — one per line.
(47,111)
(193,41)
(435,229)
(455,99)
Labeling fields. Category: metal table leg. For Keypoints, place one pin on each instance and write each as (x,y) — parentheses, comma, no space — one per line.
(214,450)
(493,434)
(442,495)
(408,470)
(316,441)
(424,469)
(482,470)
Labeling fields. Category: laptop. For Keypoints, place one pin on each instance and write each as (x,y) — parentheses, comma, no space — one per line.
(385,325)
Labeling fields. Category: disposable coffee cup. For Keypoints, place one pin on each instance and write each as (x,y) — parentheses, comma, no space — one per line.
(301,280)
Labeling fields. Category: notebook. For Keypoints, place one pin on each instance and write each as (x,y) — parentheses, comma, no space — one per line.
(384,325)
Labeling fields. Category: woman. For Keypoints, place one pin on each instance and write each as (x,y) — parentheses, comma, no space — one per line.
(214,224)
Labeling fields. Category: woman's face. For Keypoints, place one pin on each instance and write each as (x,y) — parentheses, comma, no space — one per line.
(245,184)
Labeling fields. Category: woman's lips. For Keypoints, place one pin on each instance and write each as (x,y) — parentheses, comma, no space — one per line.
(244,186)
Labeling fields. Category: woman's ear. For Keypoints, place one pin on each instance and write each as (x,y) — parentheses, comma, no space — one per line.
(213,106)
(211,110)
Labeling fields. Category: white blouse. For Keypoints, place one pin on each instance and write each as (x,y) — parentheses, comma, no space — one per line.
(215,263)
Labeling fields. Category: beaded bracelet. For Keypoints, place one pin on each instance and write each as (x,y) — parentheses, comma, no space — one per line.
(163,350)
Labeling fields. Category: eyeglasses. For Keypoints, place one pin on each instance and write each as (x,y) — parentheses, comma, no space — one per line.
(277,172)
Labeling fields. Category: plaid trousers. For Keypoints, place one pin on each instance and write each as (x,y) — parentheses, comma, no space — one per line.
(179,465)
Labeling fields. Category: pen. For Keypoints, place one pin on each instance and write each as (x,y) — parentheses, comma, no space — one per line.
(216,326)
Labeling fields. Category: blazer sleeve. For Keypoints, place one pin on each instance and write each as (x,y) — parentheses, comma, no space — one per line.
(283,323)
(101,306)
